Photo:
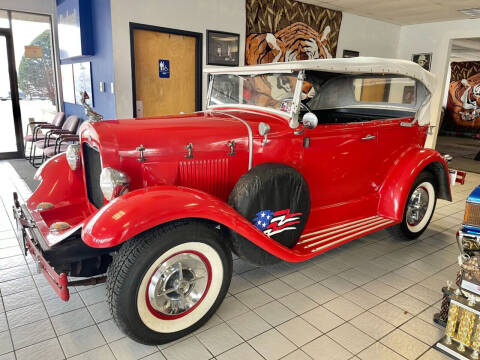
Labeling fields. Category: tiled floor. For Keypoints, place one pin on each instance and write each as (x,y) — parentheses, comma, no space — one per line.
(373,298)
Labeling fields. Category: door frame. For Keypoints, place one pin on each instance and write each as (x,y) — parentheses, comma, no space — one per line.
(198,59)
(17,118)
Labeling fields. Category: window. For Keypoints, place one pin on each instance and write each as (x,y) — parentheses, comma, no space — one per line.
(34,61)
(4,22)
(394,90)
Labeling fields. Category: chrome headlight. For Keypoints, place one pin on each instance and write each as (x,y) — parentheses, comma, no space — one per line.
(73,156)
(113,183)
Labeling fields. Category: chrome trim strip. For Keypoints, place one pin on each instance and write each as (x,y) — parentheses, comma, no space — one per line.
(344,230)
(338,226)
(453,354)
(377,222)
(250,136)
(247,107)
(352,236)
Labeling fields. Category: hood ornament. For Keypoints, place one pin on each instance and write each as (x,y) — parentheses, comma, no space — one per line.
(189,149)
(141,149)
(231,145)
(92,115)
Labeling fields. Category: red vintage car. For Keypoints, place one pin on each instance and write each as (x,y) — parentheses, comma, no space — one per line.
(288,161)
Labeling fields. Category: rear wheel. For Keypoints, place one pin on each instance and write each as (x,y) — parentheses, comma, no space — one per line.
(167,282)
(419,209)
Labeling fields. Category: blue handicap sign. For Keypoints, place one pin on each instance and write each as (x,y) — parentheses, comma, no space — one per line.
(164,68)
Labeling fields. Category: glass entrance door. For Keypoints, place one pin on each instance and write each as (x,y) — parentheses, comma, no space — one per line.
(11,142)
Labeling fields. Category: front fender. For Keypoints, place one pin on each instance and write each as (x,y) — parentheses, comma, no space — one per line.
(396,187)
(143,209)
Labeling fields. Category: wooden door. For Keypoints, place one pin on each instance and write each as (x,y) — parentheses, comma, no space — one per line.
(374,90)
(174,93)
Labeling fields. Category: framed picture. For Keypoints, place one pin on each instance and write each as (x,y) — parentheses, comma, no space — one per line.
(350,53)
(222,48)
(82,78)
(423,59)
(68,87)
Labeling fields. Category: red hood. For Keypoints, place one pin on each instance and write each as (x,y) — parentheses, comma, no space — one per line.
(170,134)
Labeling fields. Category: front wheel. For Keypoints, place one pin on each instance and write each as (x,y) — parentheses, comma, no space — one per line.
(419,208)
(167,282)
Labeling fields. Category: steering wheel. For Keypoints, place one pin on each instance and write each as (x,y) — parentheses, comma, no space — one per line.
(302,105)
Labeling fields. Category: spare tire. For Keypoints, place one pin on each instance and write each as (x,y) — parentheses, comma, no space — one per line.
(276,199)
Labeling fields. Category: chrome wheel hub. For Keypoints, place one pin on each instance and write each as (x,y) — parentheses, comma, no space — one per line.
(417,206)
(178,284)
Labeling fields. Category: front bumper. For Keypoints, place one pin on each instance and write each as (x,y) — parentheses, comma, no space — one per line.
(32,240)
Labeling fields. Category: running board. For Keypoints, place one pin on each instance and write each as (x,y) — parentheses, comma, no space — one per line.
(325,239)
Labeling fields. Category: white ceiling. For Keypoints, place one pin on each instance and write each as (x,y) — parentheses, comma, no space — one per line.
(465,50)
(402,12)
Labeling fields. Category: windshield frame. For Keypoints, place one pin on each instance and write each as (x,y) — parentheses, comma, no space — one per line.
(295,108)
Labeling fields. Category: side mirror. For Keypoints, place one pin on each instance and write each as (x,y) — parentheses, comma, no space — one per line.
(264,129)
(310,120)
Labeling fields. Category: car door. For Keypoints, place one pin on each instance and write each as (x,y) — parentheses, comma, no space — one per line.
(338,162)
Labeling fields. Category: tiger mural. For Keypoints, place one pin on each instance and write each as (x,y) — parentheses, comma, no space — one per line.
(297,41)
(463,103)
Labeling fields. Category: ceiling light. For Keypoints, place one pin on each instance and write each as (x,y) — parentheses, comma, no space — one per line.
(473,13)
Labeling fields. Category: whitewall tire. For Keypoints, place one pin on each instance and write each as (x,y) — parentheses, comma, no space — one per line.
(167,282)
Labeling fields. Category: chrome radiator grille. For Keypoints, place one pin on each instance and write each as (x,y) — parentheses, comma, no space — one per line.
(93,168)
(472,214)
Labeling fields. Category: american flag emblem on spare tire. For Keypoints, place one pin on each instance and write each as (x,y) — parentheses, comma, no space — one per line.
(272,223)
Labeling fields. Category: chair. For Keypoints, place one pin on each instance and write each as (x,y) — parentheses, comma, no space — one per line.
(60,146)
(69,128)
(36,135)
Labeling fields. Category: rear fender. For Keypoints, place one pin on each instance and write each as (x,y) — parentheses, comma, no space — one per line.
(396,187)
(143,209)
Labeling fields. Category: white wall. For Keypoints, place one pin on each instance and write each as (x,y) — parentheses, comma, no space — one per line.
(34,6)
(435,38)
(369,37)
(189,15)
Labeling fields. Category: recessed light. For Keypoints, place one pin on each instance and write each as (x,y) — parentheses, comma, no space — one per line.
(473,13)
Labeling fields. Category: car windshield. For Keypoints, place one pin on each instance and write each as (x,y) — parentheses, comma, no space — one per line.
(274,91)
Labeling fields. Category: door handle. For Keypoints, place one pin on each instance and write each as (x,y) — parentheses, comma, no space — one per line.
(368,137)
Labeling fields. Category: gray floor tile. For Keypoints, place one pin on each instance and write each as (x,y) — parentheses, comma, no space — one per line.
(56,306)
(248,325)
(188,349)
(110,331)
(99,311)
(404,344)
(219,339)
(274,313)
(254,297)
(100,353)
(26,315)
(299,331)
(325,348)
(22,299)
(5,342)
(319,293)
(71,321)
(372,325)
(351,338)
(241,352)
(231,308)
(323,319)
(93,295)
(298,303)
(45,350)
(32,333)
(126,349)
(81,340)
(272,345)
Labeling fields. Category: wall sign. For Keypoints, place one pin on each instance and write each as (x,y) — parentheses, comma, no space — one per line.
(33,52)
(164,68)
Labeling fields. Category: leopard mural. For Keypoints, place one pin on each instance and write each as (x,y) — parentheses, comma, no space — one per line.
(297,41)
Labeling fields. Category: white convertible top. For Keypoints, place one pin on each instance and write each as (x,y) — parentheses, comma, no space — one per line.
(357,65)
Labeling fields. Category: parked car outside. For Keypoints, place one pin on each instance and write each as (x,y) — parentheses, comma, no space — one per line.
(288,161)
